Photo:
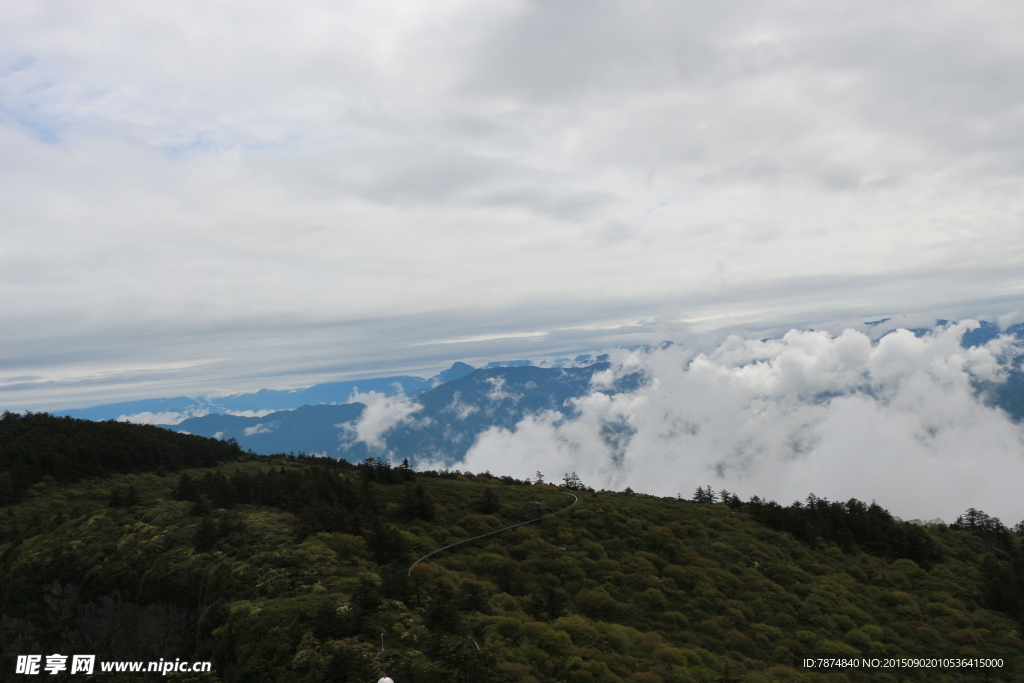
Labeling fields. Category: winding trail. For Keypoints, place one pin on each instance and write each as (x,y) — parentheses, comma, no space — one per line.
(496,531)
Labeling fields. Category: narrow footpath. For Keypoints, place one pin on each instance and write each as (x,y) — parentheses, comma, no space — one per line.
(496,531)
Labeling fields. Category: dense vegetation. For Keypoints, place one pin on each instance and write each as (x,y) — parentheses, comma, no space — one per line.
(37,444)
(292,568)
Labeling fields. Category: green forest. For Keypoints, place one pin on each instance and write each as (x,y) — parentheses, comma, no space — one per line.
(135,543)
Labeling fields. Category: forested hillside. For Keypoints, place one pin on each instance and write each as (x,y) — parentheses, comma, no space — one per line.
(38,445)
(291,569)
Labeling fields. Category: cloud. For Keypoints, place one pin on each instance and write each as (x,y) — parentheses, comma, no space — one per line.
(250,413)
(460,409)
(260,429)
(173,418)
(497,391)
(644,170)
(1007,320)
(150,418)
(381,414)
(162,418)
(896,420)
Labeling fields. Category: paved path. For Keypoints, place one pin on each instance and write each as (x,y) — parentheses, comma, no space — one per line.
(497,531)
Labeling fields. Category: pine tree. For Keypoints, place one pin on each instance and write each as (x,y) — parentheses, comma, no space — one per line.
(222,492)
(424,507)
(206,535)
(704,495)
(405,470)
(201,508)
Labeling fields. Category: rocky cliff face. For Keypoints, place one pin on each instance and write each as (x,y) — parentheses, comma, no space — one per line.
(108,627)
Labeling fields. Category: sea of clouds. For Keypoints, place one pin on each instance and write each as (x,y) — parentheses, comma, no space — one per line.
(898,420)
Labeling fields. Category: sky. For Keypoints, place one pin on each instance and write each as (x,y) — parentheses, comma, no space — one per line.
(210,197)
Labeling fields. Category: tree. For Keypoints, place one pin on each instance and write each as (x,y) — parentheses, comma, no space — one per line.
(206,535)
(424,506)
(186,488)
(489,502)
(366,596)
(572,482)
(465,661)
(201,508)
(405,470)
(539,477)
(730,499)
(727,675)
(704,495)
(222,492)
(124,497)
(442,614)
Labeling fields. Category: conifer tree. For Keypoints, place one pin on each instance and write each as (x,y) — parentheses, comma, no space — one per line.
(572,482)
(200,508)
(405,470)
(206,535)
(424,508)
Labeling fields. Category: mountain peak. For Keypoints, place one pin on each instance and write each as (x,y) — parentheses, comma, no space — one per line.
(458,370)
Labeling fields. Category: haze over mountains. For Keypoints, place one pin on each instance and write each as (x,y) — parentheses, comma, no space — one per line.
(439,425)
(899,412)
(173,410)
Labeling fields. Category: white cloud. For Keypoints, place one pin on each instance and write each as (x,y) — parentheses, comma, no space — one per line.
(896,421)
(162,418)
(644,170)
(173,418)
(150,418)
(1009,319)
(251,413)
(497,391)
(260,429)
(381,414)
(460,409)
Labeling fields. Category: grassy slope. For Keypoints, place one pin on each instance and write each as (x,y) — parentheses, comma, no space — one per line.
(619,588)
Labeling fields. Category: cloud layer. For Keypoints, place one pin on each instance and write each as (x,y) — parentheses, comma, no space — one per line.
(896,420)
(206,196)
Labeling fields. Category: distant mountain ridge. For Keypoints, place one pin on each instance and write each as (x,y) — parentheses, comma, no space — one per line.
(443,424)
(264,399)
(267,400)
(445,414)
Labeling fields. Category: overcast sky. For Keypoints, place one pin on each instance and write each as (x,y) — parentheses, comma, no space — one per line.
(219,196)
